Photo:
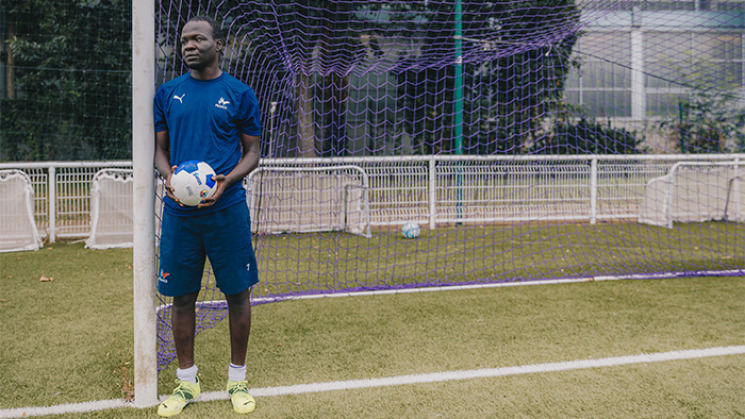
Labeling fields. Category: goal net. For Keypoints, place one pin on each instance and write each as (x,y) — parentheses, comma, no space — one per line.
(695,192)
(17,225)
(437,103)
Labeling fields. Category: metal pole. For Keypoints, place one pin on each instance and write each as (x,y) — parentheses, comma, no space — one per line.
(458,117)
(272,109)
(594,190)
(458,77)
(432,193)
(681,128)
(143,90)
(52,204)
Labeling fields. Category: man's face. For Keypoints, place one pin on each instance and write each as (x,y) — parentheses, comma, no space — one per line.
(198,47)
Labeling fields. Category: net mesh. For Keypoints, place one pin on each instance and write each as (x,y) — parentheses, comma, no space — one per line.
(449,108)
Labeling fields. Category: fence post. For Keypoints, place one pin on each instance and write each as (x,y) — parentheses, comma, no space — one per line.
(593,190)
(52,191)
(432,193)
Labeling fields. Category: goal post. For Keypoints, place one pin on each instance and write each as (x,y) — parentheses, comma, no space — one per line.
(695,192)
(143,266)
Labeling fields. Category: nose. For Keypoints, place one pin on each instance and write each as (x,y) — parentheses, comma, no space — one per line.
(188,45)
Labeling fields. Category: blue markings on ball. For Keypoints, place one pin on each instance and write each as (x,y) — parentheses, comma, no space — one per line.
(189,166)
(410,230)
(210,182)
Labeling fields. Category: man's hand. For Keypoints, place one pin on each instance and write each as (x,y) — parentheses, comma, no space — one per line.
(210,200)
(169,188)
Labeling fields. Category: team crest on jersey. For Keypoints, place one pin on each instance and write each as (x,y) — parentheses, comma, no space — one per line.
(222,103)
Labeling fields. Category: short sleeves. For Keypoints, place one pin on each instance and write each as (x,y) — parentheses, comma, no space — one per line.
(249,121)
(159,112)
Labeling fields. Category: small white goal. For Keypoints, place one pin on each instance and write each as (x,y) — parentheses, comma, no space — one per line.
(695,192)
(309,199)
(17,225)
(111,209)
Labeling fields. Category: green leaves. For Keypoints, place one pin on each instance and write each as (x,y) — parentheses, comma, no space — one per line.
(70,81)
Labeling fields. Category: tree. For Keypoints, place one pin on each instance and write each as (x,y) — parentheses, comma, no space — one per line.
(309,45)
(710,121)
(587,137)
(71,97)
(515,66)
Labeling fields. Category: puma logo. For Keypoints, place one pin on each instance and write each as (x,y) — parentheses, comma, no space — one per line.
(180,99)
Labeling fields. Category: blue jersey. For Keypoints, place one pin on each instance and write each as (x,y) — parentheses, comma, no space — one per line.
(204,120)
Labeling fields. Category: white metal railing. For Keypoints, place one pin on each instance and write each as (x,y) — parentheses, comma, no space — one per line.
(428,189)
(62,195)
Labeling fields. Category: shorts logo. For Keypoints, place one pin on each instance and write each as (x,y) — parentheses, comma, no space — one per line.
(162,276)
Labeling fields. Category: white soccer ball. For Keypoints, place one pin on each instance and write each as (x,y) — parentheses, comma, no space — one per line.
(192,182)
(410,230)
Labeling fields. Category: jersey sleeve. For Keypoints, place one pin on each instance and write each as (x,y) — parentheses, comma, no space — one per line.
(249,121)
(159,110)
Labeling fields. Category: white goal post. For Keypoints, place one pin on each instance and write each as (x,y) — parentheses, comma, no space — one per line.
(17,225)
(309,199)
(695,192)
(143,252)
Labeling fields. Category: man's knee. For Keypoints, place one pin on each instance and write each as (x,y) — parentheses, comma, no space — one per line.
(240,299)
(185,302)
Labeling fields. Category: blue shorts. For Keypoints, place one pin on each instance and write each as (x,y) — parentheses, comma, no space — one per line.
(223,236)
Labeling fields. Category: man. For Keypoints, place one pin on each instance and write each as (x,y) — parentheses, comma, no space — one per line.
(207,115)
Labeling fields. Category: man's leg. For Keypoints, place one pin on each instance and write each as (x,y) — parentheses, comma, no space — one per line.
(183,322)
(239,312)
(228,244)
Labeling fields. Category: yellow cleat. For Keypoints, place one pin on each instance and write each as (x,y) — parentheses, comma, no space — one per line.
(242,401)
(184,394)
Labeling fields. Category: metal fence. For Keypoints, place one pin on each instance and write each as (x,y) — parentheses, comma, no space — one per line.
(431,190)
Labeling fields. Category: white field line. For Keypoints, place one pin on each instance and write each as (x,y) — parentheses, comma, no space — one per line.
(399,380)
(556,281)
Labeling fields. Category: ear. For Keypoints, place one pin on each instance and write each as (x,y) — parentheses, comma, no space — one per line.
(220,45)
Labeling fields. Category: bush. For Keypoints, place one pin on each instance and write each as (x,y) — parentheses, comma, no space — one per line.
(587,137)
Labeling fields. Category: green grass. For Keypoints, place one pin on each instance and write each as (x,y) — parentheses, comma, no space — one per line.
(65,330)
(294,263)
(70,340)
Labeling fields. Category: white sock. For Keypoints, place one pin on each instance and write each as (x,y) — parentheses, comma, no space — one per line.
(237,372)
(189,374)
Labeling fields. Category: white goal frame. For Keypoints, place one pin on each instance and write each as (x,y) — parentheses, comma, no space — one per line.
(343,203)
(111,212)
(29,238)
(666,185)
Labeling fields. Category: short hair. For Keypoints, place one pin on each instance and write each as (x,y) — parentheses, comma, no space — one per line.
(216,27)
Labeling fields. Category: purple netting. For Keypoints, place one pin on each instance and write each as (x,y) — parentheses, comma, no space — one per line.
(522,133)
